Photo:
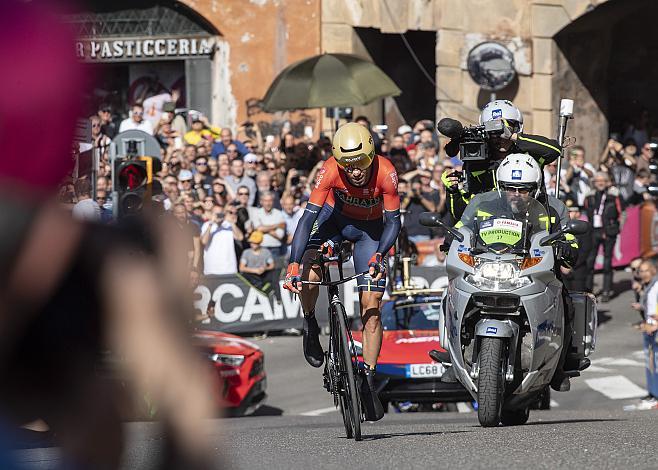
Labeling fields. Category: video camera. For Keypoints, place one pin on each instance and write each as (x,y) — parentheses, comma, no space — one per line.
(473,142)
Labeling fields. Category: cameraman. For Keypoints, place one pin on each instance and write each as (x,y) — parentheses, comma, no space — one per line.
(482,173)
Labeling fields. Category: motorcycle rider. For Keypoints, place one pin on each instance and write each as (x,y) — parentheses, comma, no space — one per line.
(512,140)
(355,198)
(519,179)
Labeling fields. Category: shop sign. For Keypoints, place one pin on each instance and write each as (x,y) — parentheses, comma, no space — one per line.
(151,48)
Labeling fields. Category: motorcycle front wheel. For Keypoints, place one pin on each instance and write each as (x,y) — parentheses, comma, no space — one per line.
(491,381)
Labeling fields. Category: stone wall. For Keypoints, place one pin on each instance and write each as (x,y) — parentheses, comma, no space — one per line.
(527,27)
(260,38)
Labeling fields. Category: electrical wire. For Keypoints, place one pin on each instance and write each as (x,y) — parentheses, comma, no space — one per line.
(409,48)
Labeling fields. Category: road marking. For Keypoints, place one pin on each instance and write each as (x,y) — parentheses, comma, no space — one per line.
(598,369)
(554,404)
(319,412)
(639,354)
(616,387)
(463,407)
(625,362)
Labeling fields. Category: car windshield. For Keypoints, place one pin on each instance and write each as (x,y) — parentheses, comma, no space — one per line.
(420,316)
(504,219)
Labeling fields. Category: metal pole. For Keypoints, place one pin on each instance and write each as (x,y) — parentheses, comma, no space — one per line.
(336,119)
(95,158)
(566,113)
(492,97)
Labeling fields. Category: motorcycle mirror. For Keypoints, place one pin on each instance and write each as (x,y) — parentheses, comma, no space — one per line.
(433,219)
(576,227)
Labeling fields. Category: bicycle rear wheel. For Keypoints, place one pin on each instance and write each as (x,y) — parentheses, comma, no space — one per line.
(349,364)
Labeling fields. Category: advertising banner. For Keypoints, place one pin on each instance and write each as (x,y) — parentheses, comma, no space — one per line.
(242,308)
(627,246)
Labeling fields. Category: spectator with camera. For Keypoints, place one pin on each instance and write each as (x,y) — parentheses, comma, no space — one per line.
(108,127)
(219,237)
(481,174)
(578,174)
(604,211)
(201,130)
(420,198)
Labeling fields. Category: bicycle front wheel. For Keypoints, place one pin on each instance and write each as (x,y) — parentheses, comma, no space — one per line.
(349,366)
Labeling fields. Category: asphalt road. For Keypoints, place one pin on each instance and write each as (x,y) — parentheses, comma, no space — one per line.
(298,427)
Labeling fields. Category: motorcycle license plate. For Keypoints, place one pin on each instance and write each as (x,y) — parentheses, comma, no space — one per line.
(424,370)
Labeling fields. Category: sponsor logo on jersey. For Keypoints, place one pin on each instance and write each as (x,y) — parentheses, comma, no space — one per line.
(517,174)
(394,179)
(319,176)
(496,114)
(357,201)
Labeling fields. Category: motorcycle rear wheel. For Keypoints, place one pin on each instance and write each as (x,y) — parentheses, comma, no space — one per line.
(491,381)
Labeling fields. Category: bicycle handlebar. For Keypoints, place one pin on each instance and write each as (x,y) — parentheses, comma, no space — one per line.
(334,283)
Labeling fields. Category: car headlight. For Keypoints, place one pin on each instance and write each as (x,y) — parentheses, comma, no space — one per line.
(233,360)
(497,276)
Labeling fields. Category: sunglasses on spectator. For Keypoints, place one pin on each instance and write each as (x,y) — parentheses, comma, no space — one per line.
(138,113)
(242,193)
(201,163)
(95,125)
(231,151)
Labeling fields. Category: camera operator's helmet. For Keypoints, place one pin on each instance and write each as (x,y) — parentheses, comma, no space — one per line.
(503,109)
(353,146)
(519,171)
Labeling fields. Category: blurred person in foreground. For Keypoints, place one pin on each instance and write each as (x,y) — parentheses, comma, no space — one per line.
(81,289)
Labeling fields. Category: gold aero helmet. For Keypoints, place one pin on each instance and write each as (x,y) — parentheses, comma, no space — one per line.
(353,146)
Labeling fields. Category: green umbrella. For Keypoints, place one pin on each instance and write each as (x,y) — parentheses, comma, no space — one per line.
(328,81)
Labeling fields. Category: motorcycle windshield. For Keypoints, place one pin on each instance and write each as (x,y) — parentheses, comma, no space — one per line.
(504,220)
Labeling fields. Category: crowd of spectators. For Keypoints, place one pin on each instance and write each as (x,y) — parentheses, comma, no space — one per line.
(223,187)
(238,197)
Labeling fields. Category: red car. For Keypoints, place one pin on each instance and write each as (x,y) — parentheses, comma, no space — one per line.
(241,368)
(405,372)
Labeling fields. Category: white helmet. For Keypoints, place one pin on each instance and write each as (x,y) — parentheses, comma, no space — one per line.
(503,109)
(519,170)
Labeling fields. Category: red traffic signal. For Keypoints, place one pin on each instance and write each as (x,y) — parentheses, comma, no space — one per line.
(132,175)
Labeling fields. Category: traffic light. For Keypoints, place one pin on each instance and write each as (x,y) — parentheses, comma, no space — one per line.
(133,182)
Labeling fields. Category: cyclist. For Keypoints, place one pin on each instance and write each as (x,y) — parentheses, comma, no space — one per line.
(513,140)
(355,198)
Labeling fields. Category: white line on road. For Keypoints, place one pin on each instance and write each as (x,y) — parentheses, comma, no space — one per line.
(319,412)
(598,369)
(625,362)
(463,407)
(554,404)
(616,387)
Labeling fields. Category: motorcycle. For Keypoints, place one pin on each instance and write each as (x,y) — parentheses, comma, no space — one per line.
(503,311)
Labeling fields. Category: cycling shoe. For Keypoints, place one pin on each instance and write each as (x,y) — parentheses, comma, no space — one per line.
(311,339)
(372,407)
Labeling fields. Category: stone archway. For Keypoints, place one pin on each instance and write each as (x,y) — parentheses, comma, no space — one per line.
(578,53)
